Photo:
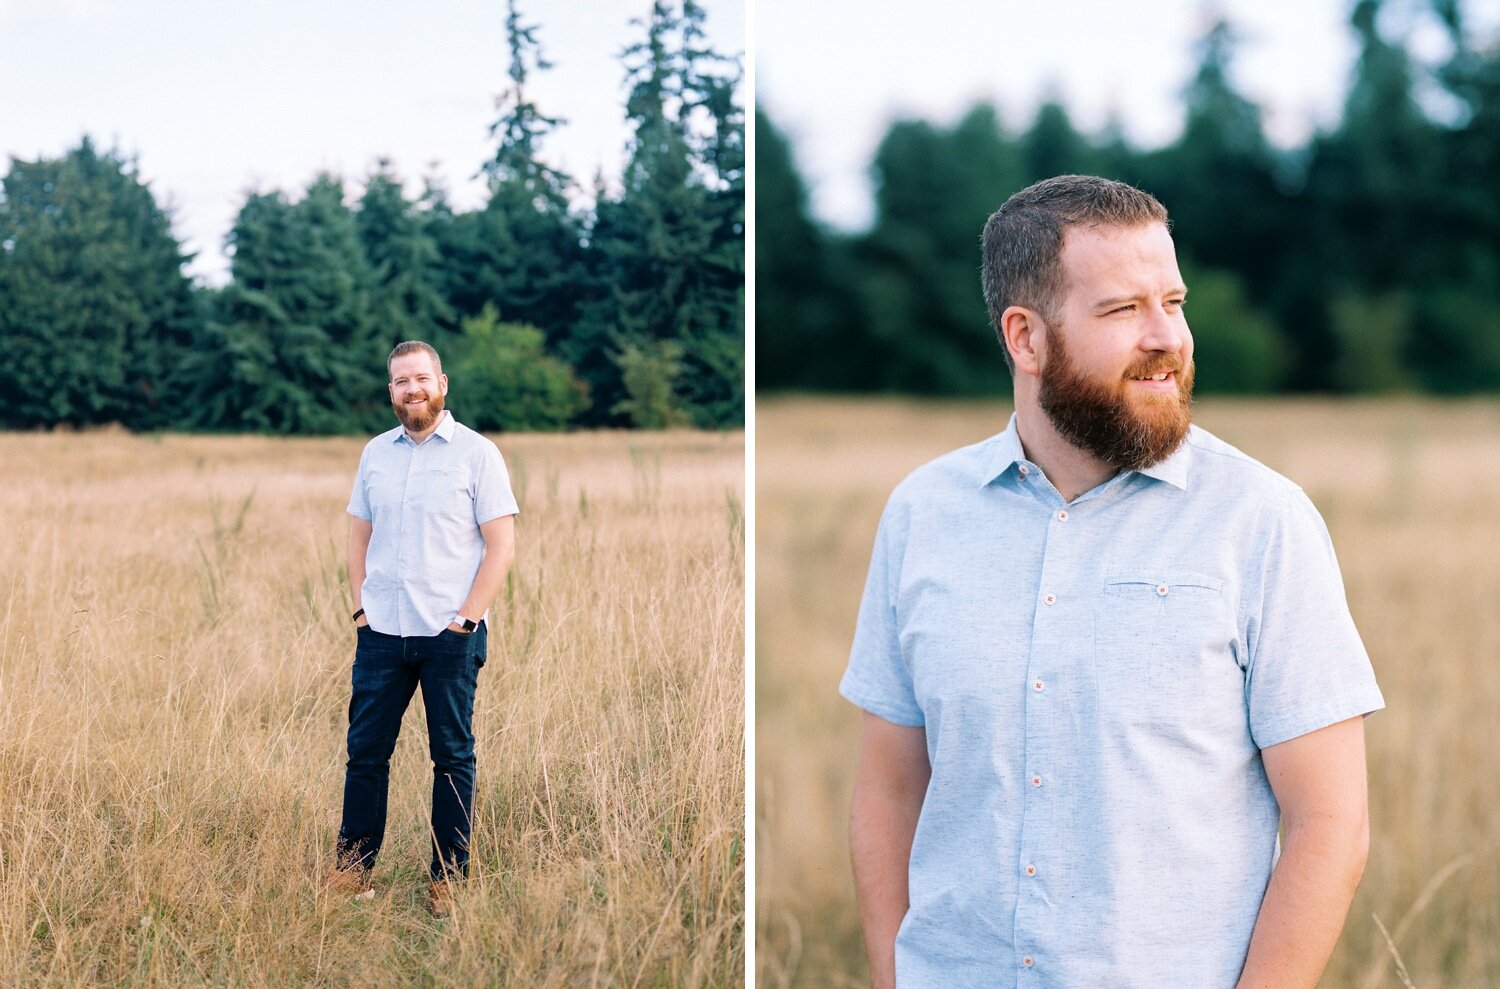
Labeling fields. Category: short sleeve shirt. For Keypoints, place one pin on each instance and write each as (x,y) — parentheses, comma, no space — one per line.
(1097,680)
(425,504)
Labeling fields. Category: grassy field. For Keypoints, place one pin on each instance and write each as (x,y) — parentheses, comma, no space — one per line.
(1411,493)
(175,657)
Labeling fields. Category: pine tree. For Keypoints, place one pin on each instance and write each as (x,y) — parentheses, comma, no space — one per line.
(670,245)
(405,266)
(93,299)
(296,350)
(919,264)
(522,252)
(801,341)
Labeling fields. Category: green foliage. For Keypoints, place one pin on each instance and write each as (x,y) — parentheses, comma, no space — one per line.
(670,244)
(1371,331)
(294,345)
(93,301)
(1367,260)
(1235,348)
(501,380)
(917,269)
(406,268)
(649,371)
(1455,341)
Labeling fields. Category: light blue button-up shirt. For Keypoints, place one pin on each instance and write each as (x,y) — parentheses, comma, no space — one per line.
(1096,680)
(425,504)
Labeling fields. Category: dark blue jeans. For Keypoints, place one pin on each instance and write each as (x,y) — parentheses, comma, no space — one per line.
(387,670)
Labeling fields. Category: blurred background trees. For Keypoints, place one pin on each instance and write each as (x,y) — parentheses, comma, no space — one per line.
(552,308)
(1367,260)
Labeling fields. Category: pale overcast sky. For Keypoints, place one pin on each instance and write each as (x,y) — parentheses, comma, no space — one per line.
(834,74)
(218,98)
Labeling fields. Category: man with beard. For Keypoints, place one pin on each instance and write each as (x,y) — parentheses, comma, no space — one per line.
(431,537)
(1102,657)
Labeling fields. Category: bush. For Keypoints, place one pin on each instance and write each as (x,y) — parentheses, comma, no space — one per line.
(503,380)
(650,371)
(1236,349)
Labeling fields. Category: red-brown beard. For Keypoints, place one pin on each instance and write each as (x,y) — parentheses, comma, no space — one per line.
(1100,417)
(419,421)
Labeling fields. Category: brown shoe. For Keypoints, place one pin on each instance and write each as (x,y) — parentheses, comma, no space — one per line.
(352,882)
(440,899)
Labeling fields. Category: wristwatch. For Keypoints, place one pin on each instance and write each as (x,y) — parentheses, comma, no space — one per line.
(468,623)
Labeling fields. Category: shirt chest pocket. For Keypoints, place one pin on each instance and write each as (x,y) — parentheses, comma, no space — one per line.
(443,491)
(1163,648)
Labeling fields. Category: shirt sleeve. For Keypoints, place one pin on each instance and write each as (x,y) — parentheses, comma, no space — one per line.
(878,678)
(493,497)
(1307,666)
(359,500)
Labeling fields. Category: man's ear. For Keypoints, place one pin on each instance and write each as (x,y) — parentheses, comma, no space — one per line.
(1023,330)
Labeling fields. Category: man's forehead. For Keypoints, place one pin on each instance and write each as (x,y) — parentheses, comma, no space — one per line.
(413,364)
(1101,253)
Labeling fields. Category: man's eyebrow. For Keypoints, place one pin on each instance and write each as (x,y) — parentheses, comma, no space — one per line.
(1115,300)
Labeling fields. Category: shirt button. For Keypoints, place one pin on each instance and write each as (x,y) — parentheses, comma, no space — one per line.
(1062,515)
(1161,589)
(1036,685)
(1036,781)
(1031,870)
(1025,470)
(1027,961)
(1052,598)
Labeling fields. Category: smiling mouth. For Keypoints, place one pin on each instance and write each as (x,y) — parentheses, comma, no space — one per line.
(1159,376)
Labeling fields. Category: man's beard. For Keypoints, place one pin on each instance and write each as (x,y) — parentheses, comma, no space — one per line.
(419,418)
(1100,417)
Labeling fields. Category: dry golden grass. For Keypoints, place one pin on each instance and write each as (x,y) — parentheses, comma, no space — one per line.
(173,689)
(1410,491)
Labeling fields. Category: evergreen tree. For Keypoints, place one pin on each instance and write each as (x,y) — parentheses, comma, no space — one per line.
(803,336)
(665,246)
(406,273)
(521,253)
(1219,181)
(296,348)
(1053,146)
(919,264)
(93,300)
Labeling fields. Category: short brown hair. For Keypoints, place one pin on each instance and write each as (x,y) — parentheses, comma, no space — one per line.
(411,347)
(1023,239)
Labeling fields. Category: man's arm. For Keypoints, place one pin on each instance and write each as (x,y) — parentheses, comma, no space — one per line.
(359,549)
(889,788)
(499,552)
(1319,781)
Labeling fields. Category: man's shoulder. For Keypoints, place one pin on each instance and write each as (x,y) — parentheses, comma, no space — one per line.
(1221,466)
(955,472)
(472,441)
(381,442)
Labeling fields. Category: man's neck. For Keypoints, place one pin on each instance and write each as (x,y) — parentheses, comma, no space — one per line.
(1071,470)
(418,438)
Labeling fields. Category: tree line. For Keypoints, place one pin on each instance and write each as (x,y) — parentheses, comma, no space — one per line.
(625,313)
(1367,260)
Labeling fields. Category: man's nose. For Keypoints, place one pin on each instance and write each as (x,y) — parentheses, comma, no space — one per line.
(1165,331)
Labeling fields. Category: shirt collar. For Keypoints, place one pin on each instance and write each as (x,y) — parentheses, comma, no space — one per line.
(1174,470)
(1006,453)
(445,427)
